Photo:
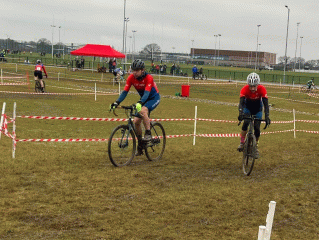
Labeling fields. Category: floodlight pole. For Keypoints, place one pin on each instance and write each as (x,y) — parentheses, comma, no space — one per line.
(192,50)
(124,30)
(219,35)
(286,45)
(296,47)
(300,51)
(133,48)
(216,36)
(257,47)
(52,38)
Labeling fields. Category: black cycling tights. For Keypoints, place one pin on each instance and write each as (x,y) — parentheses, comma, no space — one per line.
(256,127)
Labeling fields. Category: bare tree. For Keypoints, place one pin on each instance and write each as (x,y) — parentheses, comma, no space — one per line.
(151,49)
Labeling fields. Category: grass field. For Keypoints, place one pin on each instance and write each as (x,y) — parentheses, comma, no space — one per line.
(72,191)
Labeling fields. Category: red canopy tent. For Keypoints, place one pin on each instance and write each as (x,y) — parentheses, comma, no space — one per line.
(97,50)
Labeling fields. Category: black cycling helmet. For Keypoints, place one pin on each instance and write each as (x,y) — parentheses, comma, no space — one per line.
(138,65)
(38,61)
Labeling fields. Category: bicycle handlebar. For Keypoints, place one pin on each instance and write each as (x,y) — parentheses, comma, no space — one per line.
(255,119)
(131,108)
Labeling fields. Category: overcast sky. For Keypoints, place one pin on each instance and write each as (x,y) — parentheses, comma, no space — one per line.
(171,24)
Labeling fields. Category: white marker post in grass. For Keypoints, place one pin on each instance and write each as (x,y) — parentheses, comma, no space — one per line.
(294,114)
(14,142)
(16,67)
(2,117)
(58,76)
(119,88)
(265,232)
(95,91)
(261,233)
(195,125)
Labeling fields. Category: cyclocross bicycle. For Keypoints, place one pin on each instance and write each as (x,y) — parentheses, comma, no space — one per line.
(250,145)
(122,142)
(38,88)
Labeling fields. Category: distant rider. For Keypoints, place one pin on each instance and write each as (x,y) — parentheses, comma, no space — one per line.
(310,84)
(38,73)
(150,98)
(253,97)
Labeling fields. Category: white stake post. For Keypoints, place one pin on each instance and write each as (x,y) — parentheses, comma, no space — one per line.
(14,143)
(1,77)
(294,113)
(58,76)
(16,67)
(269,219)
(195,125)
(262,232)
(2,117)
(119,87)
(95,91)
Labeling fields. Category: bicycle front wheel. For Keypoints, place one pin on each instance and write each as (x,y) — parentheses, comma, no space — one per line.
(249,154)
(155,148)
(121,146)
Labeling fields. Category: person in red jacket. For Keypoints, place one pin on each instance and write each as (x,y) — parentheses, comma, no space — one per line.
(38,73)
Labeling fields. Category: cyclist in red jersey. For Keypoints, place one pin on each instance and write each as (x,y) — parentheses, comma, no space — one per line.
(253,97)
(150,98)
(38,73)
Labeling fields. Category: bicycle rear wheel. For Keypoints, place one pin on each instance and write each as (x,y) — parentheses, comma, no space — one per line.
(249,154)
(37,87)
(155,148)
(121,146)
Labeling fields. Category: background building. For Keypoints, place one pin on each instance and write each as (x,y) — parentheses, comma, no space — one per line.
(232,58)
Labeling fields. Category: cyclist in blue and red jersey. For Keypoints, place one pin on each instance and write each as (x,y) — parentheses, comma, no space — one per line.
(253,97)
(38,73)
(150,98)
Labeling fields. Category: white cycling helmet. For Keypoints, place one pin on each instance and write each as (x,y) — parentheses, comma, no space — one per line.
(253,79)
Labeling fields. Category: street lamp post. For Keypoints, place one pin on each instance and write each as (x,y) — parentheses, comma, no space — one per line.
(192,50)
(216,36)
(258,56)
(219,35)
(300,51)
(53,26)
(59,40)
(133,48)
(286,45)
(257,46)
(7,43)
(126,20)
(296,47)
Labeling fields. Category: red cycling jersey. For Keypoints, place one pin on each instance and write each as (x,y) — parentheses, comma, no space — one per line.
(40,67)
(260,93)
(146,84)
(253,100)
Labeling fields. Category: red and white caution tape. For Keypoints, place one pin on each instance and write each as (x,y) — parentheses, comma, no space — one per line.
(315,95)
(76,118)
(219,135)
(317,132)
(308,121)
(13,84)
(291,130)
(213,120)
(32,93)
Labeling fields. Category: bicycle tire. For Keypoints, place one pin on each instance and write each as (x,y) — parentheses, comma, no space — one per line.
(121,146)
(249,154)
(155,148)
(37,87)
